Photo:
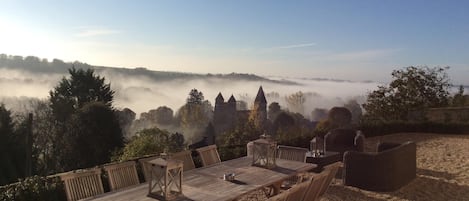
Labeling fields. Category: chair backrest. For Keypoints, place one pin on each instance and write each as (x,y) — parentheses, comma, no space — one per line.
(122,175)
(297,192)
(145,167)
(292,153)
(82,185)
(209,155)
(332,171)
(312,193)
(186,157)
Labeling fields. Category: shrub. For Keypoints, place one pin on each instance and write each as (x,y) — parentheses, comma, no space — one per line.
(34,188)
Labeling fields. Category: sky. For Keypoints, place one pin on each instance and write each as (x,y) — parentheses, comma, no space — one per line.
(353,40)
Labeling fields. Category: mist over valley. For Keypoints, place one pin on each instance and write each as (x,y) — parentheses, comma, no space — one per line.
(141,90)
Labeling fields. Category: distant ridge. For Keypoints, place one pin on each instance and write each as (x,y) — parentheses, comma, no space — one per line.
(36,65)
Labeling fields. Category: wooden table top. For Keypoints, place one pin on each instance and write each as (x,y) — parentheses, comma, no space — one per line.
(207,184)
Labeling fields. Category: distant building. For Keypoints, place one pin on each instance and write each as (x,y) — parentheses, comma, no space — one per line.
(226,116)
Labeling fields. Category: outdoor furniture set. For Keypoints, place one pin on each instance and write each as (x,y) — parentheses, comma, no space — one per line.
(392,166)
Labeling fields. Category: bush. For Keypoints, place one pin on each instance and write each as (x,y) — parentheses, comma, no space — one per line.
(232,152)
(150,141)
(34,188)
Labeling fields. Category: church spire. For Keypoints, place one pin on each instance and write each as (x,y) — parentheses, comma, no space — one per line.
(260,98)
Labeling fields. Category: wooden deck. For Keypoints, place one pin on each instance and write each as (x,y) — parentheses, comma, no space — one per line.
(207,184)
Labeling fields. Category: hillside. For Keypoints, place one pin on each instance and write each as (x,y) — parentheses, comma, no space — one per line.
(56,66)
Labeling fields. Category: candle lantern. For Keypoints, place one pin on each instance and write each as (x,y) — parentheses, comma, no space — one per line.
(264,152)
(166,179)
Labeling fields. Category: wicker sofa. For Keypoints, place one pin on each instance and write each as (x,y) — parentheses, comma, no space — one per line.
(388,169)
(344,139)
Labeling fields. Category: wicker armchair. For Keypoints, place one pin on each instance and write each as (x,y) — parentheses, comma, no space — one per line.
(388,169)
(344,139)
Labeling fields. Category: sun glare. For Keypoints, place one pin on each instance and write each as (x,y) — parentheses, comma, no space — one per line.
(20,39)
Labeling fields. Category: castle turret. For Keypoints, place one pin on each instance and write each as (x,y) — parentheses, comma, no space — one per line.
(219,98)
(232,100)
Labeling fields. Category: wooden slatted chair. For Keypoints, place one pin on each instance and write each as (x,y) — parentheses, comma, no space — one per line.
(297,192)
(209,155)
(318,180)
(122,175)
(292,153)
(332,171)
(80,185)
(279,197)
(145,167)
(186,157)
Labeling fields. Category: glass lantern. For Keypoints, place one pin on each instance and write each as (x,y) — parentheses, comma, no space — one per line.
(264,152)
(166,179)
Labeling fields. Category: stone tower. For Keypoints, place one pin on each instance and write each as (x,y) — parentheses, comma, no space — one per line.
(260,105)
(224,117)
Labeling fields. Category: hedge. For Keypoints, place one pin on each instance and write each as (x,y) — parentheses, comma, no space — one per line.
(377,128)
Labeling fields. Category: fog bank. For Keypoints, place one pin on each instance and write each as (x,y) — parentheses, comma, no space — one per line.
(141,93)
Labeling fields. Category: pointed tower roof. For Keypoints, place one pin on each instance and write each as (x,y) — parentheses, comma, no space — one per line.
(260,98)
(219,98)
(232,99)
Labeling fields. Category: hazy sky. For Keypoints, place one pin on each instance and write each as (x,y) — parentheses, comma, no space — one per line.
(357,40)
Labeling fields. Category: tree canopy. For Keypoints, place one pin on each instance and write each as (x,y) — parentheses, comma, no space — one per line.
(412,89)
(82,87)
(152,141)
(93,134)
(195,115)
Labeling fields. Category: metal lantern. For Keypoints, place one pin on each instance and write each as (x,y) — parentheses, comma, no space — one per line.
(166,179)
(264,152)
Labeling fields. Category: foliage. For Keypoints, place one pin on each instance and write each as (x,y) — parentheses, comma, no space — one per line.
(355,109)
(11,157)
(195,97)
(283,121)
(195,115)
(323,127)
(82,87)
(34,188)
(413,88)
(44,139)
(274,110)
(152,141)
(296,102)
(93,133)
(164,115)
(232,144)
(339,117)
(257,118)
(459,99)
(126,117)
(86,129)
(293,129)
(319,114)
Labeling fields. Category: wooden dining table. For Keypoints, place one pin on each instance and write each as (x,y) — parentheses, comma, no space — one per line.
(207,183)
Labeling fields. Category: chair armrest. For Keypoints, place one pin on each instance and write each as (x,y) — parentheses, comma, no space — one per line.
(382,146)
(364,169)
(359,142)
